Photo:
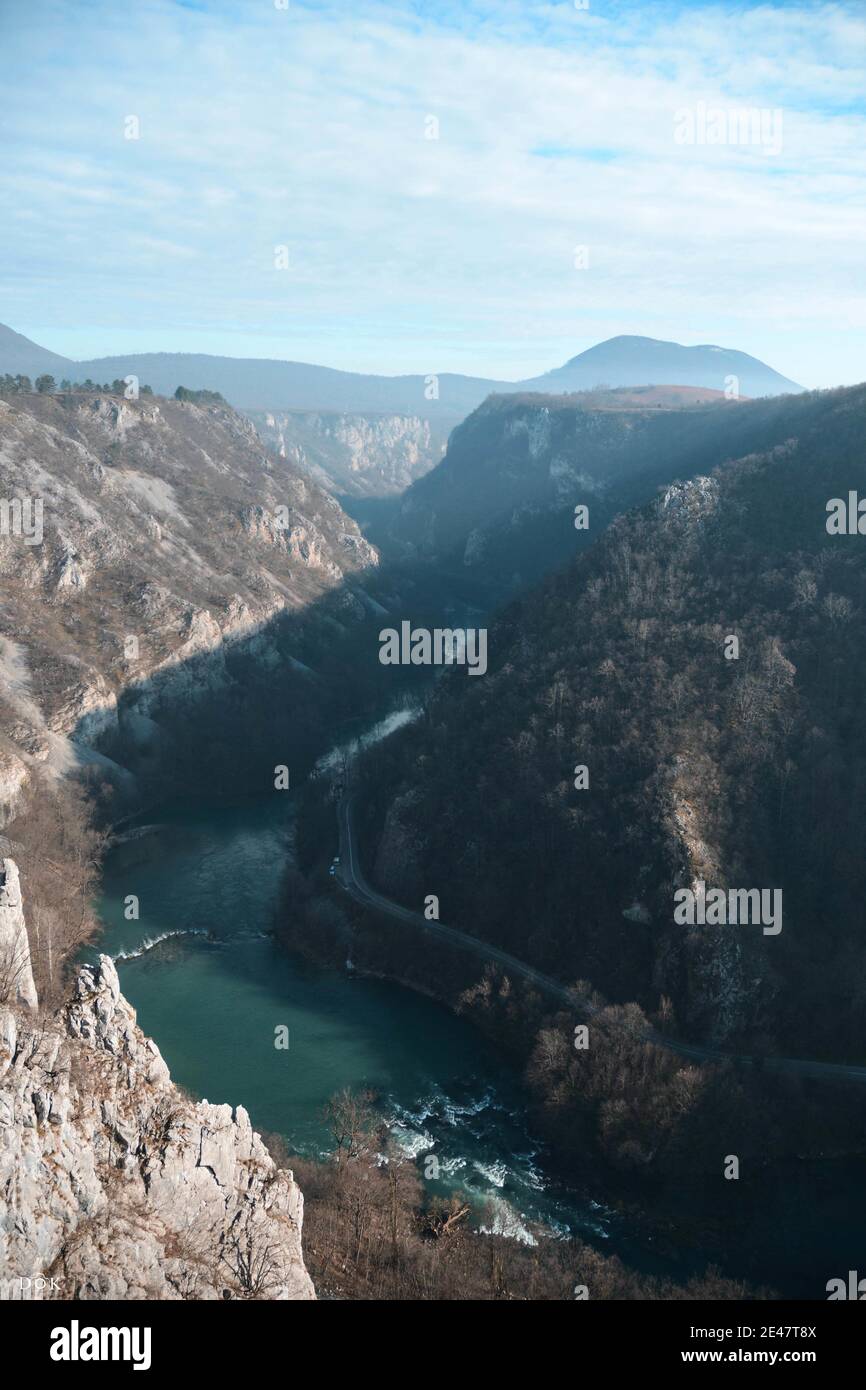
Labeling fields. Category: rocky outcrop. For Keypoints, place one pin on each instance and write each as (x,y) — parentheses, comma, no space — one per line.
(358,455)
(115,1185)
(16,971)
(13,780)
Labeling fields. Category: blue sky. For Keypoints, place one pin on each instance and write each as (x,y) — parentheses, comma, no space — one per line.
(306,127)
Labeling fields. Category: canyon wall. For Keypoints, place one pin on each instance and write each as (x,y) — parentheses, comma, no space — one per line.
(357,455)
(139,542)
(116,1185)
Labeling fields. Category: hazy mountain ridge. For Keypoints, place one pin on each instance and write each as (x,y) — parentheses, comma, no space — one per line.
(400,423)
(503,499)
(634,361)
(20,355)
(272,384)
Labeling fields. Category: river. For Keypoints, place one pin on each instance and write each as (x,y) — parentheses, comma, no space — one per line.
(212,987)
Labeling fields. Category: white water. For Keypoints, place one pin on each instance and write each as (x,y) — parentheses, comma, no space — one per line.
(151,941)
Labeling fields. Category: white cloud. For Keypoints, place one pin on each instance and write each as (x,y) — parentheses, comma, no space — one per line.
(305,127)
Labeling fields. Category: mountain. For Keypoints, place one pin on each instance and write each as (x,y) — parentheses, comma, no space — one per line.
(369,436)
(749,771)
(501,503)
(19,356)
(619,749)
(263,384)
(266,384)
(634,361)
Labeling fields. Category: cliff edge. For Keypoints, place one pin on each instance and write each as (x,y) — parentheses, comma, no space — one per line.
(116,1185)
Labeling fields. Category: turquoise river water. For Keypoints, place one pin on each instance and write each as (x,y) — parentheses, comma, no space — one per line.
(211,987)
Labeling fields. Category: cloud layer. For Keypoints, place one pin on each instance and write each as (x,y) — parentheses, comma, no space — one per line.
(308,128)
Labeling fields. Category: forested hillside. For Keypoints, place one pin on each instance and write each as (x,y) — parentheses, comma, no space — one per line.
(501,504)
(746,771)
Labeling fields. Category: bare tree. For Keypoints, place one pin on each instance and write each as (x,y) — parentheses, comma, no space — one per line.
(351,1120)
(253,1265)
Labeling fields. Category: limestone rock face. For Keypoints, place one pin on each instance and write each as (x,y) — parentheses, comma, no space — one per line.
(109,491)
(116,1185)
(16,971)
(359,455)
(14,777)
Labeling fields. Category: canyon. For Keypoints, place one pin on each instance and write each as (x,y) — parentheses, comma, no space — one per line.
(115,1183)
(268,593)
(354,455)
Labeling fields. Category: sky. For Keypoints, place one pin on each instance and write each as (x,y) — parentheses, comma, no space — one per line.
(484,186)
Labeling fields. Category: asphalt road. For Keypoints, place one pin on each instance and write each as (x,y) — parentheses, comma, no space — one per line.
(351,879)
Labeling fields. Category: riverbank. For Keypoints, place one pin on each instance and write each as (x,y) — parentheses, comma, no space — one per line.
(213,986)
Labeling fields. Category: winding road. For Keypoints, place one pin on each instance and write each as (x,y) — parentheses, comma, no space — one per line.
(351,878)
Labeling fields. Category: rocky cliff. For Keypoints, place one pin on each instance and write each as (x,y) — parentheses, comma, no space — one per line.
(16,970)
(501,504)
(116,1185)
(140,542)
(358,455)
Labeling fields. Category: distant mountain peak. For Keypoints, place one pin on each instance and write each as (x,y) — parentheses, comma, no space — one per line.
(20,356)
(272,384)
(633,360)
